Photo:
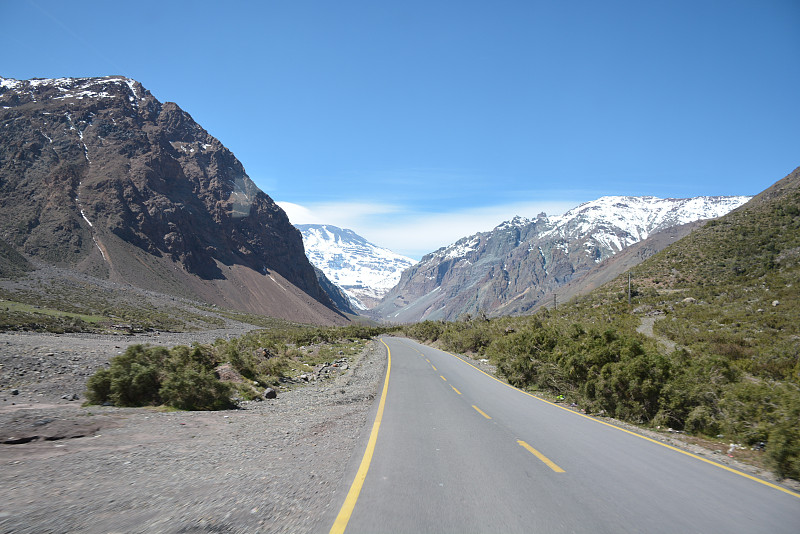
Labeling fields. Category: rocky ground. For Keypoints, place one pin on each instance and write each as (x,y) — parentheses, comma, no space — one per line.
(271,466)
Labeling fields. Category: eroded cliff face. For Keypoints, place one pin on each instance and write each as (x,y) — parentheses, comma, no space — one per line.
(96,174)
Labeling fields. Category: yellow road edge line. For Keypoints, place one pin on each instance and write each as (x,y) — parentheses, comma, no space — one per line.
(454,389)
(443,378)
(676,449)
(355,489)
(547,461)
(481,412)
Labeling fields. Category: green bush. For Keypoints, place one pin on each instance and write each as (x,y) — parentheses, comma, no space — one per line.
(425,331)
(630,389)
(195,388)
(260,359)
(134,376)
(783,447)
(99,387)
(150,376)
(701,420)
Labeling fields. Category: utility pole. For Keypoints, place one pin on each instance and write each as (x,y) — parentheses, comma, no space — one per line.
(555,304)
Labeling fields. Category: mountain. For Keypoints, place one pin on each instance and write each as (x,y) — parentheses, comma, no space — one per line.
(364,271)
(513,267)
(12,263)
(337,295)
(703,339)
(608,269)
(98,176)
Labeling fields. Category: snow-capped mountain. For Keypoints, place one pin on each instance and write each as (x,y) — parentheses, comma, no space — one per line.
(511,267)
(363,270)
(616,222)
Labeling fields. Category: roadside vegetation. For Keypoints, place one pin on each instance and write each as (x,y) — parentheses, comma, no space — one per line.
(726,297)
(217,376)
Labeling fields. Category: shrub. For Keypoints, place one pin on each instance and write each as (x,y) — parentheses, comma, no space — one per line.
(783,442)
(99,387)
(149,376)
(425,331)
(134,376)
(701,420)
(195,388)
(783,448)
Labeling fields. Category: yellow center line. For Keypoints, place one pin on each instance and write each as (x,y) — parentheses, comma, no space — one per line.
(355,489)
(481,412)
(670,447)
(454,389)
(547,461)
(443,378)
(434,367)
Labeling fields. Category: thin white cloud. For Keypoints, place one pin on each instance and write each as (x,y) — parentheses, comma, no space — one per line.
(342,214)
(415,233)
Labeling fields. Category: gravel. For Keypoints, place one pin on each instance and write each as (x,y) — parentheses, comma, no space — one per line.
(271,466)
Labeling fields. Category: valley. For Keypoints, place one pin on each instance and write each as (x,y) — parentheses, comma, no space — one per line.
(142,270)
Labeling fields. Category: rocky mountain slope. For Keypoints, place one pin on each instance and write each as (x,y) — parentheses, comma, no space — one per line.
(611,267)
(340,299)
(513,267)
(99,176)
(363,270)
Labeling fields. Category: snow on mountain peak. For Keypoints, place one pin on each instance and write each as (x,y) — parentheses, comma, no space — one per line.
(612,222)
(78,88)
(516,222)
(620,221)
(364,271)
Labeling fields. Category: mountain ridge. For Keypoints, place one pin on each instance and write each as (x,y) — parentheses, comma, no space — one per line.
(97,175)
(524,259)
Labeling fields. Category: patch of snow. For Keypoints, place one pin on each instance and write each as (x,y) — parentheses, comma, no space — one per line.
(616,222)
(516,222)
(9,83)
(279,285)
(131,85)
(461,248)
(99,248)
(85,218)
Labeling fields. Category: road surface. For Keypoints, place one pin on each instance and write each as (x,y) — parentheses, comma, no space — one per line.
(454,450)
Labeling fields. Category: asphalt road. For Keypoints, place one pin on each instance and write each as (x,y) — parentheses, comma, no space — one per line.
(454,450)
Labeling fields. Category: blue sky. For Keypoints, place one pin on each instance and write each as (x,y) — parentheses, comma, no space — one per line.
(415,123)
